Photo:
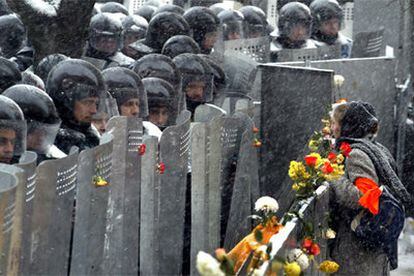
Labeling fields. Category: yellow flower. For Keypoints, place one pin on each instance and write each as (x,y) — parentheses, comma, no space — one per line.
(313,145)
(292,269)
(340,158)
(329,267)
(100,181)
(295,187)
(298,171)
(338,171)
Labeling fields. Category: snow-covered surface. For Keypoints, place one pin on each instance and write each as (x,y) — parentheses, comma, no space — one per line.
(406,251)
(42,7)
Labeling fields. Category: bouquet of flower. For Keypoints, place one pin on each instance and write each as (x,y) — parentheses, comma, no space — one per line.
(321,164)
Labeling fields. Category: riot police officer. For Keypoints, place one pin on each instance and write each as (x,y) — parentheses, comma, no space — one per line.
(161,66)
(76,87)
(232,23)
(295,26)
(134,29)
(12,35)
(114,7)
(12,131)
(255,18)
(197,80)
(327,21)
(205,26)
(161,27)
(219,76)
(9,73)
(105,42)
(126,88)
(179,44)
(41,117)
(160,102)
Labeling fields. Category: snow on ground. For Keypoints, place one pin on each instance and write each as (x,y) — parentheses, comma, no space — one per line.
(406,251)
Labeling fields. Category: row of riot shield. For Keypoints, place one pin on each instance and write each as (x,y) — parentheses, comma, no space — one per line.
(224,181)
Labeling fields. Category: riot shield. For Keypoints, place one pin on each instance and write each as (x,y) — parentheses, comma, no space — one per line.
(21,242)
(206,112)
(150,184)
(52,217)
(121,254)
(257,49)
(89,234)
(11,178)
(246,187)
(234,101)
(174,153)
(379,89)
(320,53)
(369,44)
(294,100)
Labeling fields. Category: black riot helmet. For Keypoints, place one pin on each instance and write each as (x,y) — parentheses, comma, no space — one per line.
(105,34)
(205,25)
(163,26)
(170,8)
(322,11)
(124,84)
(9,74)
(180,44)
(197,79)
(73,80)
(157,65)
(30,78)
(47,63)
(294,14)
(12,35)
(114,7)
(160,94)
(256,22)
(134,28)
(40,113)
(12,131)
(146,11)
(232,23)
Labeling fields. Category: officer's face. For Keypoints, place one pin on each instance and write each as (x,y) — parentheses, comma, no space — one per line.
(299,32)
(159,115)
(7,142)
(209,40)
(84,109)
(107,44)
(195,91)
(100,122)
(35,140)
(233,36)
(130,108)
(330,27)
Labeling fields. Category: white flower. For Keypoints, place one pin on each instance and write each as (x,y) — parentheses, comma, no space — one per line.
(207,265)
(297,255)
(339,80)
(330,234)
(266,204)
(260,271)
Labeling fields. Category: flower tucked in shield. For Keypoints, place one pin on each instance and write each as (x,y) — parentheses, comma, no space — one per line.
(141,149)
(207,265)
(255,130)
(310,247)
(257,143)
(161,168)
(297,171)
(327,168)
(266,204)
(297,255)
(329,267)
(99,181)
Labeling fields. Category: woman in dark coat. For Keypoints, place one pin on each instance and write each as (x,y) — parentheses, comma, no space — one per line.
(355,123)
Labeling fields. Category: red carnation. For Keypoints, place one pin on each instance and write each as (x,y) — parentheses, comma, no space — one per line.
(327,168)
(345,149)
(307,243)
(311,160)
(141,149)
(161,168)
(315,249)
(332,156)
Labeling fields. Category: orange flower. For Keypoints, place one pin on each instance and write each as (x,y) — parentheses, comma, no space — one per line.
(315,249)
(307,243)
(220,254)
(327,168)
(345,149)
(255,130)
